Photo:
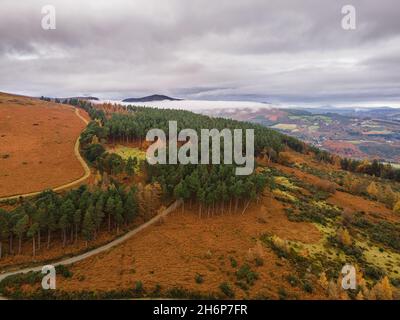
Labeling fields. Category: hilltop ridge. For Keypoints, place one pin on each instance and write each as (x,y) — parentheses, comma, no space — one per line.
(154,97)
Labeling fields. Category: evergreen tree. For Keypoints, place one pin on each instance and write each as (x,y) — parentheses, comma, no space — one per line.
(130,207)
(41,218)
(51,222)
(33,230)
(20,228)
(119,210)
(88,227)
(110,205)
(99,212)
(4,229)
(63,225)
(77,222)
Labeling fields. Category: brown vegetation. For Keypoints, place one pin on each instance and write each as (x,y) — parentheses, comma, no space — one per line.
(37,141)
(173,252)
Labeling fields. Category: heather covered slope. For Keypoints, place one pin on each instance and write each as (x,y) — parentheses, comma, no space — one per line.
(37,140)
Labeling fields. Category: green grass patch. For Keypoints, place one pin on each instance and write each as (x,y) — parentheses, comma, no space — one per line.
(129,152)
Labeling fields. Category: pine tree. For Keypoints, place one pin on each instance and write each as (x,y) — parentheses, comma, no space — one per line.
(237,192)
(192,183)
(51,222)
(99,212)
(110,205)
(67,218)
(180,193)
(34,228)
(20,229)
(41,218)
(63,225)
(201,195)
(130,207)
(118,213)
(77,222)
(88,227)
(4,229)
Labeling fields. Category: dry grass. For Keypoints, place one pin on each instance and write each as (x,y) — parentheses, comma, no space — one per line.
(37,141)
(172,253)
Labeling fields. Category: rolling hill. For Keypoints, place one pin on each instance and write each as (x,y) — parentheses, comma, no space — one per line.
(154,97)
(37,141)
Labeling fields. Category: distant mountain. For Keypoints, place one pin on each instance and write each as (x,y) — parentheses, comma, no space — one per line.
(87,98)
(77,97)
(154,97)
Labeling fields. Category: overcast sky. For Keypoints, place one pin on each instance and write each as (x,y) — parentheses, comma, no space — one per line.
(284,52)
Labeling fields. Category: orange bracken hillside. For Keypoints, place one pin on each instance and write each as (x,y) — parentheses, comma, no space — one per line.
(37,141)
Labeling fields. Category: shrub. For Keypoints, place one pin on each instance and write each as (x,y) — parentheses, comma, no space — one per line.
(64,271)
(139,287)
(234,263)
(283,196)
(157,290)
(285,158)
(383,232)
(245,273)
(81,278)
(226,290)
(282,294)
(307,287)
(293,280)
(373,272)
(285,183)
(242,285)
(326,186)
(259,261)
(199,278)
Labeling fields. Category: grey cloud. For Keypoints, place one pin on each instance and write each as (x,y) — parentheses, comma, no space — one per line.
(293,51)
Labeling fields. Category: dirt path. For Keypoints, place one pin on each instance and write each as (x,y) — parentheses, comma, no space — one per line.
(98,250)
(70,184)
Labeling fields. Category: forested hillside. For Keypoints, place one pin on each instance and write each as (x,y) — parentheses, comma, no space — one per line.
(285,231)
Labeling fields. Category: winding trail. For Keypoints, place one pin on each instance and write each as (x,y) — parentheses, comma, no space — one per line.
(98,250)
(70,184)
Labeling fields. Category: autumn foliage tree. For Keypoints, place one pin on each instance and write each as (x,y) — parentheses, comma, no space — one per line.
(396,207)
(343,237)
(382,290)
(373,190)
